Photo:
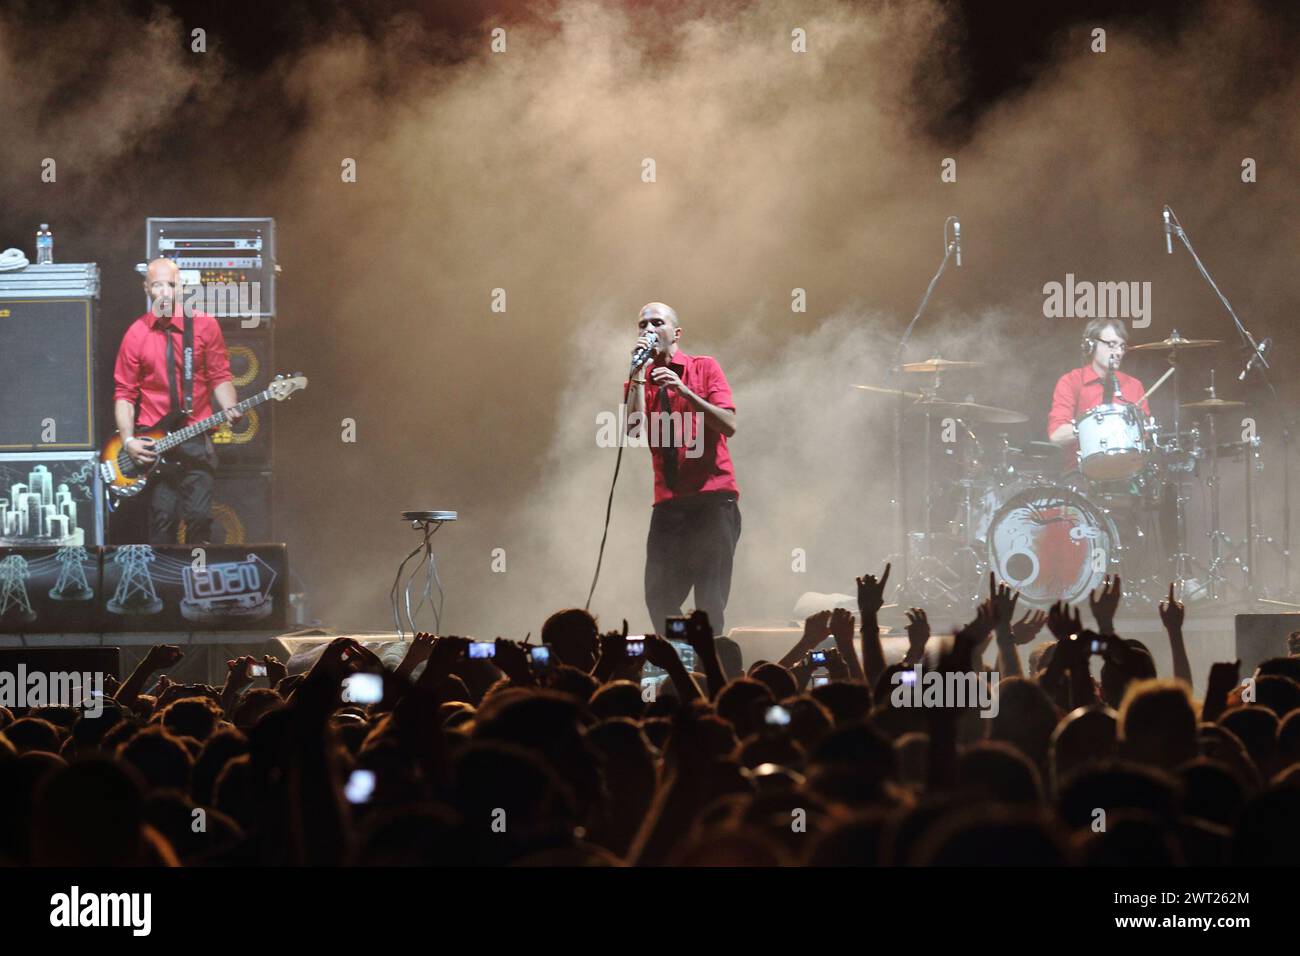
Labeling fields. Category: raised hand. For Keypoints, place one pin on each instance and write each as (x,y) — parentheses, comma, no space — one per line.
(336,661)
(162,656)
(1104,601)
(836,667)
(1027,628)
(512,660)
(816,628)
(871,593)
(275,671)
(417,652)
(982,624)
(239,673)
(361,656)
(448,650)
(1223,678)
(660,653)
(842,626)
(613,645)
(1061,624)
(699,634)
(1002,600)
(1171,612)
(918,632)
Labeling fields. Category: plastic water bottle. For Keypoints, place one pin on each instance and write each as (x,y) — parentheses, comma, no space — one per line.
(44,245)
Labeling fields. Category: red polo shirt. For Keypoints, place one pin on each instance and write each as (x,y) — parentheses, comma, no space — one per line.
(711,471)
(141,370)
(1080,390)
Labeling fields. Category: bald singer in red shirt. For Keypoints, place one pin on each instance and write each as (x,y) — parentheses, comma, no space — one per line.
(1082,389)
(695,523)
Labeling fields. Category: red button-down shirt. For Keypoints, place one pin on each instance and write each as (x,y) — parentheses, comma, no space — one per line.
(711,470)
(1080,390)
(141,370)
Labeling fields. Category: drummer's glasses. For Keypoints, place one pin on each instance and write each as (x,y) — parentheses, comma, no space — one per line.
(1115,346)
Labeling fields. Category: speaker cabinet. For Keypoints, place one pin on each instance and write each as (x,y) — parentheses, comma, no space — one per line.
(248,443)
(47,358)
(241,508)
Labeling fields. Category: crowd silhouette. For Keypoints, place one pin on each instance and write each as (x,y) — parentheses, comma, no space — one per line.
(501,753)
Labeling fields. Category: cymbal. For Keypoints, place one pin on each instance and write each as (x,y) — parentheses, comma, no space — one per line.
(1212,405)
(1176,341)
(937,364)
(1039,449)
(970,411)
(889,391)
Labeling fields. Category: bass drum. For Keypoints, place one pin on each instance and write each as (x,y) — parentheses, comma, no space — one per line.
(1051,545)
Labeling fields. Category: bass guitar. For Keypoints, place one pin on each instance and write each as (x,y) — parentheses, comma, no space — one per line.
(125,478)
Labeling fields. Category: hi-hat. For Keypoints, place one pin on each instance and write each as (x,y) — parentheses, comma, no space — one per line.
(1176,341)
(889,391)
(971,412)
(937,364)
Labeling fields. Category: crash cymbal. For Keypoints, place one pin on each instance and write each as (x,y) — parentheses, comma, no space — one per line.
(937,364)
(889,391)
(971,412)
(1176,341)
(1212,405)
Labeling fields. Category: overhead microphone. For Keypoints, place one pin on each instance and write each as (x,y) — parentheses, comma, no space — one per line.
(1169,232)
(956,239)
(1258,355)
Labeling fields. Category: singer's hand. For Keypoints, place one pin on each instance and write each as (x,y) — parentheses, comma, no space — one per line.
(663,375)
(645,339)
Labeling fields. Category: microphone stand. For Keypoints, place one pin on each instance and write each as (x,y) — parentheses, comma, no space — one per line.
(1257,357)
(896,372)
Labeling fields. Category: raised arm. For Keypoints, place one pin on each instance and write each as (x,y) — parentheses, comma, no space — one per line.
(1171,616)
(158,657)
(1004,609)
(871,598)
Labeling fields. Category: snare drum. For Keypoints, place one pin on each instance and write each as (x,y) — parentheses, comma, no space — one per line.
(1112,443)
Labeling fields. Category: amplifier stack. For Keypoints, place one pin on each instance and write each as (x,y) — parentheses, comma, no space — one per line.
(233,261)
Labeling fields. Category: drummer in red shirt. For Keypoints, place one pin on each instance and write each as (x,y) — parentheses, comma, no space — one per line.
(1082,389)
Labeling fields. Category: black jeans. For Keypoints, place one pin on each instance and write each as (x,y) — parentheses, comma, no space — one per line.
(691,544)
(182,491)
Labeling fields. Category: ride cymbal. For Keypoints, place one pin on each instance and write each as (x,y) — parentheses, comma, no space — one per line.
(1175,341)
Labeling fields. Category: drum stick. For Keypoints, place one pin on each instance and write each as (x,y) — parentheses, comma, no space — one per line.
(1152,390)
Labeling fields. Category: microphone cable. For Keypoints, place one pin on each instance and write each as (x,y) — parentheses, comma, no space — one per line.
(609,508)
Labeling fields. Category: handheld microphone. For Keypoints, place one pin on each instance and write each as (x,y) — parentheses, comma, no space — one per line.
(956,239)
(1169,232)
(644,353)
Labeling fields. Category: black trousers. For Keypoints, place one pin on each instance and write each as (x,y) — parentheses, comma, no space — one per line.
(181,490)
(691,543)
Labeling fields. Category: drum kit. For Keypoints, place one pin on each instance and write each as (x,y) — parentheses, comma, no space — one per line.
(1053,528)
